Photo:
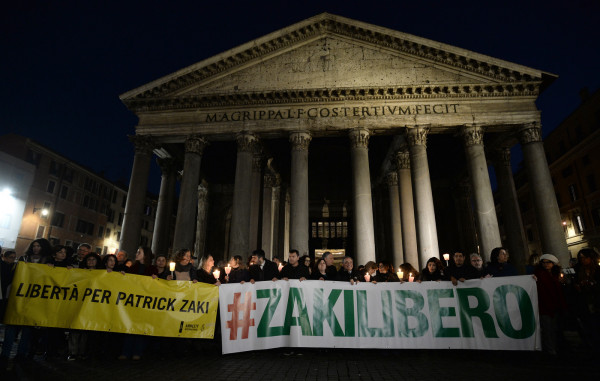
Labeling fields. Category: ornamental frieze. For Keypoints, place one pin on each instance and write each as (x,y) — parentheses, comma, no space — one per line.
(247,142)
(300,140)
(359,138)
(417,136)
(472,135)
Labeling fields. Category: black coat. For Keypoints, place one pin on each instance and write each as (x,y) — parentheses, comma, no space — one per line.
(345,276)
(268,272)
(297,272)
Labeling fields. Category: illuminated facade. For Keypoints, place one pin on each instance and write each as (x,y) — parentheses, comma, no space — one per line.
(387,131)
(81,205)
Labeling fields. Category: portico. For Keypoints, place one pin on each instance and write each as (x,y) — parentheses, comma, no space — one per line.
(295,128)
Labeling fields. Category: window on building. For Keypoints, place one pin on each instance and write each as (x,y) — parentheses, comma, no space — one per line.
(105,250)
(120,222)
(54,241)
(64,192)
(314,230)
(591,180)
(33,157)
(84,227)
(147,210)
(573,192)
(100,231)
(40,232)
(118,236)
(98,250)
(107,233)
(69,243)
(54,168)
(114,196)
(51,186)
(579,227)
(68,176)
(58,219)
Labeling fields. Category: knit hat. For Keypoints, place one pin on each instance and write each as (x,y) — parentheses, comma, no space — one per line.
(549,257)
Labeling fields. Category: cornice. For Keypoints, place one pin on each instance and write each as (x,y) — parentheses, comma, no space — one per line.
(330,25)
(282,97)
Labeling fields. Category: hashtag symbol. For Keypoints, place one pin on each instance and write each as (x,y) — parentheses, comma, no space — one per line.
(245,323)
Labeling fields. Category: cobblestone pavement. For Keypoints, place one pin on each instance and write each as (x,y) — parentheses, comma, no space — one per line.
(205,362)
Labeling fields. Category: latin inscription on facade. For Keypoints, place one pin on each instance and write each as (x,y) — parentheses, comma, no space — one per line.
(333,112)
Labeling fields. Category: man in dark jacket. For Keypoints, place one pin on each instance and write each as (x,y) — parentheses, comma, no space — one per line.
(331,270)
(294,270)
(264,269)
(347,273)
(460,271)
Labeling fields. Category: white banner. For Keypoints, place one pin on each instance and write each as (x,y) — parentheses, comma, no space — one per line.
(494,313)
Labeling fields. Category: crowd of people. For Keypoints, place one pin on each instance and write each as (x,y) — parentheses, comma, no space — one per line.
(569,298)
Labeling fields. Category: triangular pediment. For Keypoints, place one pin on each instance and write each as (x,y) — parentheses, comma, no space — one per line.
(328,54)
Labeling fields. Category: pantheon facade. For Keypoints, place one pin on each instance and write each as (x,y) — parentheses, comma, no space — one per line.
(336,134)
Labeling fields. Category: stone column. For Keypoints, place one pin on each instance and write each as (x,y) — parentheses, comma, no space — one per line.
(516,241)
(485,209)
(465,218)
(199,245)
(164,209)
(240,215)
(364,234)
(185,224)
(396,223)
(255,200)
(540,184)
(270,213)
(299,228)
(424,213)
(407,209)
(136,196)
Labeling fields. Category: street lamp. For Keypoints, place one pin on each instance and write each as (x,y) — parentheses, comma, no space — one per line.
(44,211)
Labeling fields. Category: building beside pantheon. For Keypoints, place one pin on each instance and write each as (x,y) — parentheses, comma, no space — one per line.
(336,134)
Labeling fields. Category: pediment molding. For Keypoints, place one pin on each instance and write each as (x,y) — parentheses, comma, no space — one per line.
(307,96)
(499,71)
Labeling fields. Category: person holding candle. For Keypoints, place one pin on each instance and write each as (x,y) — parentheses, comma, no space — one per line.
(408,271)
(432,271)
(499,265)
(238,273)
(459,270)
(264,269)
(385,274)
(205,272)
(550,300)
(184,270)
(370,272)
(294,270)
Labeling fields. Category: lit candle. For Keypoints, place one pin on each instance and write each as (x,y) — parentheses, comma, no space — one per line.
(216,274)
(280,266)
(172,267)
(227,269)
(410,277)
(367,277)
(446,258)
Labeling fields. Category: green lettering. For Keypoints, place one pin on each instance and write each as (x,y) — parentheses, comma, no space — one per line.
(363,315)
(296,297)
(525,310)
(263,329)
(479,310)
(436,312)
(415,312)
(324,312)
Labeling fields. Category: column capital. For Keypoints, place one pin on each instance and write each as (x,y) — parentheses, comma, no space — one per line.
(417,136)
(501,156)
(202,193)
(472,135)
(403,160)
(195,144)
(247,142)
(300,140)
(272,180)
(392,179)
(530,133)
(359,138)
(167,165)
(143,144)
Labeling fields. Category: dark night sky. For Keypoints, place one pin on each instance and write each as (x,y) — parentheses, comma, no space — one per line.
(64,64)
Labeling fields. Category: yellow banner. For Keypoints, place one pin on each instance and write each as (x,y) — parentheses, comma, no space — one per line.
(101,301)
